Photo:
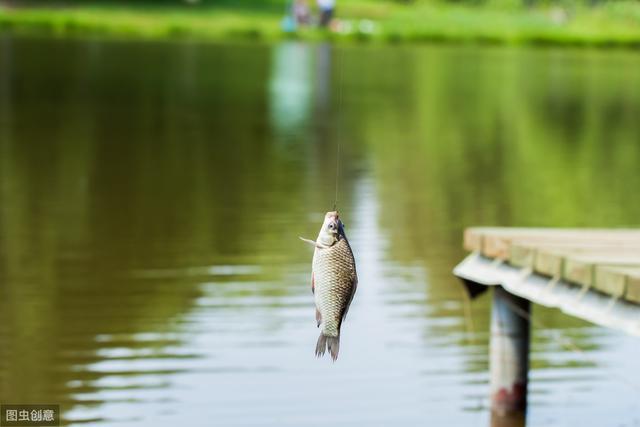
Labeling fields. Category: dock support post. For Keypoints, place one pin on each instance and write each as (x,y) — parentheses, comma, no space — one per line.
(509,352)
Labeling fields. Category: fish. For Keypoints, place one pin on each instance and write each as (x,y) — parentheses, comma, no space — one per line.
(333,282)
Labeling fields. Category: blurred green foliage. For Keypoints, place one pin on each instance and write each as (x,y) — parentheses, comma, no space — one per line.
(569,22)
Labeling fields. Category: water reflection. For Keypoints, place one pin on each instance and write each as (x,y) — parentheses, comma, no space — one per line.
(151,196)
(292,86)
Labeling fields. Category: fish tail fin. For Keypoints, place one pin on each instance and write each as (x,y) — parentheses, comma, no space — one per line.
(328,343)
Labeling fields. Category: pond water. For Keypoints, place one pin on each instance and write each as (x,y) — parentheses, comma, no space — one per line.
(152,195)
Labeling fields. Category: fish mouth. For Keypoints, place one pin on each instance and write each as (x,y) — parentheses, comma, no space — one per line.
(332,216)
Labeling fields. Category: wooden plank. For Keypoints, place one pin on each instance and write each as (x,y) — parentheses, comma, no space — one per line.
(610,281)
(549,263)
(498,247)
(523,253)
(613,280)
(495,242)
(582,269)
(472,239)
(571,262)
(633,288)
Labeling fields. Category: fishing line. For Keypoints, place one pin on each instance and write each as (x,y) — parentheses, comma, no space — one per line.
(338,125)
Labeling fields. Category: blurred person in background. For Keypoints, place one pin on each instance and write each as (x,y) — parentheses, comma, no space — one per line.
(301,12)
(326,11)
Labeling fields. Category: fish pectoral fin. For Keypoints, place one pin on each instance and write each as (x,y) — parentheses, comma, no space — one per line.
(312,243)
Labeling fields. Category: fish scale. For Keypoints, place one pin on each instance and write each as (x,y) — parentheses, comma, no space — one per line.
(334,274)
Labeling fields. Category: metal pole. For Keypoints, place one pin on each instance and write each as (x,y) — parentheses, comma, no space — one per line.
(509,352)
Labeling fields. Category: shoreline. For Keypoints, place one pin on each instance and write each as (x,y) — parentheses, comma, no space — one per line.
(443,25)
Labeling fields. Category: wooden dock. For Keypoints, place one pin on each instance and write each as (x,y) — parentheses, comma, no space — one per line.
(590,274)
(607,261)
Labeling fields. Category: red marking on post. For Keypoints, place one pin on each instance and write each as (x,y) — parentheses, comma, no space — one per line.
(505,400)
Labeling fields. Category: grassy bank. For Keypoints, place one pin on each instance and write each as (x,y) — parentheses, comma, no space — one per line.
(607,24)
